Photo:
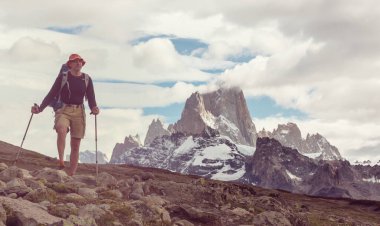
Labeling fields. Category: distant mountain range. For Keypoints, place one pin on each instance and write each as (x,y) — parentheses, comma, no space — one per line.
(216,138)
(90,157)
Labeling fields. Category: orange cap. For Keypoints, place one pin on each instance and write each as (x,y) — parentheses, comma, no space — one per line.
(73,57)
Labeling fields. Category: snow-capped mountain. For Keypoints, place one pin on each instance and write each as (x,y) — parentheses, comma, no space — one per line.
(216,138)
(314,146)
(366,163)
(207,154)
(224,110)
(90,157)
(276,166)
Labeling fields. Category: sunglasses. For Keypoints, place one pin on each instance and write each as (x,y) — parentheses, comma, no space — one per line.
(77,61)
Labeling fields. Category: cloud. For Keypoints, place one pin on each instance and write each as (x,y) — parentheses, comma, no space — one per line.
(318,57)
(140,95)
(28,49)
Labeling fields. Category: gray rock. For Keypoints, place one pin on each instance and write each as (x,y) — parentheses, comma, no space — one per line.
(3,166)
(154,200)
(14,172)
(88,193)
(92,211)
(17,182)
(40,195)
(73,197)
(28,213)
(3,214)
(2,184)
(137,191)
(106,180)
(183,223)
(86,179)
(240,212)
(45,203)
(86,220)
(33,184)
(52,175)
(199,215)
(271,218)
(111,194)
(17,186)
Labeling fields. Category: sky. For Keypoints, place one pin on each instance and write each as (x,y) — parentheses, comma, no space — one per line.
(315,63)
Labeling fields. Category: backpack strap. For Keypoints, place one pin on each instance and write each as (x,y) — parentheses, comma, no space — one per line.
(64,81)
(86,80)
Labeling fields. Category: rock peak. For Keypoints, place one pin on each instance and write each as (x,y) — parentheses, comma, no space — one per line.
(224,110)
(156,129)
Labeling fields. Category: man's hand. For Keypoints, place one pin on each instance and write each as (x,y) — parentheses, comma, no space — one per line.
(35,109)
(94,110)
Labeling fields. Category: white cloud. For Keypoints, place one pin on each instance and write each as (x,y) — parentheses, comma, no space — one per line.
(138,96)
(317,56)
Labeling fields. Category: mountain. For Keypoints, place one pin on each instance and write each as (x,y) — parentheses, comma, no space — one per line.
(156,129)
(90,157)
(268,165)
(121,148)
(207,154)
(314,146)
(224,110)
(209,141)
(276,166)
(34,192)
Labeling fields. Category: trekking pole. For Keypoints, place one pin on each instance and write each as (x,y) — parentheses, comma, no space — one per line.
(23,139)
(96,148)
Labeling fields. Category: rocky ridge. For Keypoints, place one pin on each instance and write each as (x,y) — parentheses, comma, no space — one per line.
(224,110)
(314,146)
(121,148)
(156,129)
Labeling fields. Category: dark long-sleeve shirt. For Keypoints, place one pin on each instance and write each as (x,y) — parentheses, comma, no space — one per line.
(75,95)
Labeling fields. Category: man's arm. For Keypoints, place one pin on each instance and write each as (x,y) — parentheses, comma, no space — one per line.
(91,97)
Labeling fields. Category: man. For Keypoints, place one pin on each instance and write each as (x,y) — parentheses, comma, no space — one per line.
(71,117)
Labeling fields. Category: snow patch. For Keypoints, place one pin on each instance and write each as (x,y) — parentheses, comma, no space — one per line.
(293,177)
(220,152)
(185,147)
(312,155)
(284,131)
(246,150)
(208,119)
(373,179)
(225,174)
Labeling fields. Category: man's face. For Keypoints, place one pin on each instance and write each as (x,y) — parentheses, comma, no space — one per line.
(76,64)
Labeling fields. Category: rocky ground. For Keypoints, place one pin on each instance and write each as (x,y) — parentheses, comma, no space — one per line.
(34,192)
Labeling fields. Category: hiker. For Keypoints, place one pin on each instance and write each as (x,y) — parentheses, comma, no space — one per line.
(71,116)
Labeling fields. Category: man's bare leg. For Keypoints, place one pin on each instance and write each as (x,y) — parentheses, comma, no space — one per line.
(61,143)
(74,156)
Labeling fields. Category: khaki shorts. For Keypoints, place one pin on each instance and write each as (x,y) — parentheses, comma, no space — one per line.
(72,117)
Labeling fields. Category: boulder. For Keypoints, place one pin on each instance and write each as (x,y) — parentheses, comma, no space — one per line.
(106,180)
(24,212)
(14,172)
(3,166)
(88,193)
(52,175)
(271,218)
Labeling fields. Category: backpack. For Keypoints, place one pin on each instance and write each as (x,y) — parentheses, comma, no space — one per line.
(57,103)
